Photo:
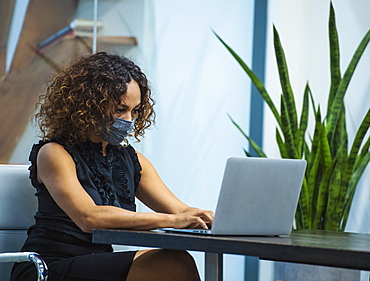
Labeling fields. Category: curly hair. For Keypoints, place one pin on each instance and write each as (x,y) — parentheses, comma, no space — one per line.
(80,96)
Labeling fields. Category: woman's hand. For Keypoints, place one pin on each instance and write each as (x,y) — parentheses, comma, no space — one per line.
(193,218)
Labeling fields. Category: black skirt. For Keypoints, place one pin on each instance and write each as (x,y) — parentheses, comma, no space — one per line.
(72,259)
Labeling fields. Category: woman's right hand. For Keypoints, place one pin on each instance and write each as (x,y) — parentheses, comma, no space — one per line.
(195,218)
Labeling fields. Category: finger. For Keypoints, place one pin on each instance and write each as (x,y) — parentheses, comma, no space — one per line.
(202,223)
(208,216)
(197,222)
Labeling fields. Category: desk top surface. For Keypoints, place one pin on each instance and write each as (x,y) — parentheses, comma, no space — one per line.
(348,250)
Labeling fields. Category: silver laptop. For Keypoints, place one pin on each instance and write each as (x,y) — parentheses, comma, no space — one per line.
(258,196)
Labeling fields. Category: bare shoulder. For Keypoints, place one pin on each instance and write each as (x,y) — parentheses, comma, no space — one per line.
(53,158)
(51,149)
(52,146)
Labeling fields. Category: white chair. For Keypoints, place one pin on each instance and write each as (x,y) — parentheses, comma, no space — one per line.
(18,205)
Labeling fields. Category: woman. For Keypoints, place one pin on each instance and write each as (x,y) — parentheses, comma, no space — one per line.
(85,179)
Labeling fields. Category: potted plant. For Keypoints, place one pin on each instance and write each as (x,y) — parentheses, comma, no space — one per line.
(334,167)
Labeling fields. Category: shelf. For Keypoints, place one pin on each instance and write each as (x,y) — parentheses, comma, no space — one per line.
(106,40)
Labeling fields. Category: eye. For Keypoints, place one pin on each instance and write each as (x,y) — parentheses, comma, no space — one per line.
(121,110)
(136,111)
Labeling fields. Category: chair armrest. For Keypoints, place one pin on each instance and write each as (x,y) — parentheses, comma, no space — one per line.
(42,269)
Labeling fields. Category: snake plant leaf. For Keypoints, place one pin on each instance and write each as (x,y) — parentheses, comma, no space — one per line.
(313,103)
(313,171)
(320,202)
(281,144)
(247,153)
(316,138)
(300,139)
(255,80)
(298,218)
(339,209)
(357,142)
(356,145)
(335,204)
(334,55)
(312,176)
(285,82)
(340,133)
(323,190)
(337,193)
(352,187)
(287,130)
(355,177)
(302,216)
(364,151)
(311,182)
(254,145)
(325,149)
(336,106)
(307,152)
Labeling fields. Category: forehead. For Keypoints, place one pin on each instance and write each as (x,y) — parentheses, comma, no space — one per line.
(132,97)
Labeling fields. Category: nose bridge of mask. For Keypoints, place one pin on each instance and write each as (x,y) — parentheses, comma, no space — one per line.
(118,131)
(124,125)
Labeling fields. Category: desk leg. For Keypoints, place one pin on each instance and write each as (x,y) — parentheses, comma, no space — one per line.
(213,267)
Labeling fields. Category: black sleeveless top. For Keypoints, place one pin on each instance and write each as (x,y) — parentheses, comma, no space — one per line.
(109,180)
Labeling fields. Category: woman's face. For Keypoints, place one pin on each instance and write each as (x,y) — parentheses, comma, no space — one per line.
(128,108)
(130,102)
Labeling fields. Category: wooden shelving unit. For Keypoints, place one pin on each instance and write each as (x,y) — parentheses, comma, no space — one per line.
(105,41)
(6,12)
(31,67)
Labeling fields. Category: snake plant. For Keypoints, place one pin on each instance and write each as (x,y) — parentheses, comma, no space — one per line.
(333,170)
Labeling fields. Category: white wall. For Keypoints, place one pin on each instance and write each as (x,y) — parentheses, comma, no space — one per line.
(196,84)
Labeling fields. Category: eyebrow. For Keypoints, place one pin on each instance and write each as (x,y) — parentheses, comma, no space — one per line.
(124,105)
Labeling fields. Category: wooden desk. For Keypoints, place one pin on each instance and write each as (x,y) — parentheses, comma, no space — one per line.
(337,249)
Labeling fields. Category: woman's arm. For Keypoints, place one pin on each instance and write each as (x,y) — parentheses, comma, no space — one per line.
(156,195)
(57,171)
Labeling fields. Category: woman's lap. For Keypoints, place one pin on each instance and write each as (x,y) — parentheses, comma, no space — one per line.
(102,266)
(70,259)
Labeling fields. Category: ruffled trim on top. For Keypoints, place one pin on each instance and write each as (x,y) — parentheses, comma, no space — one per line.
(96,162)
(137,165)
(33,168)
(126,195)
